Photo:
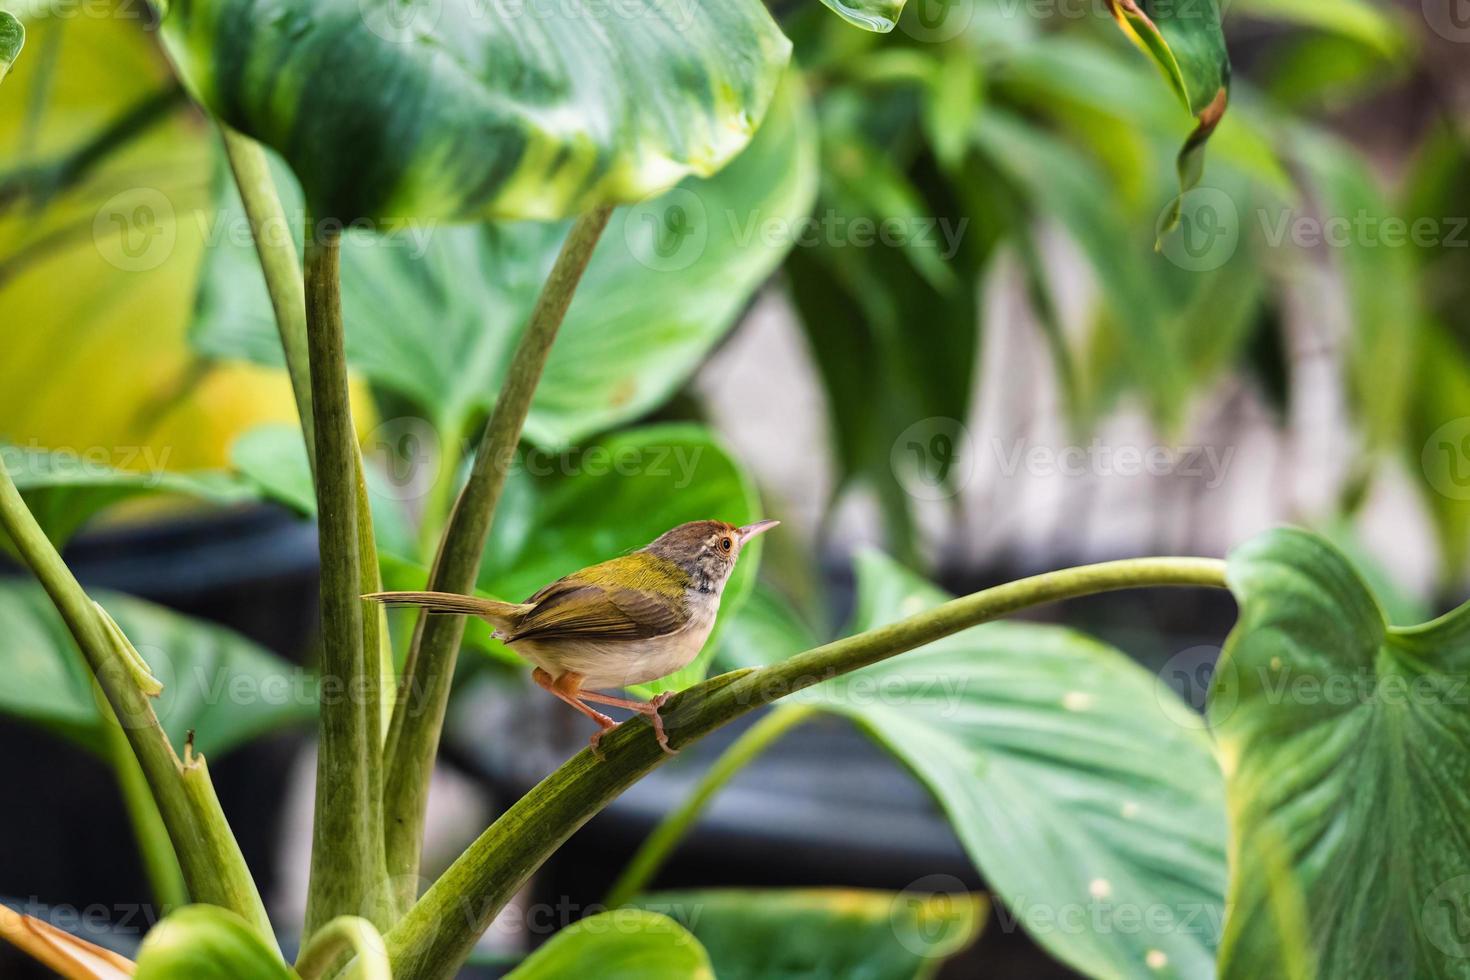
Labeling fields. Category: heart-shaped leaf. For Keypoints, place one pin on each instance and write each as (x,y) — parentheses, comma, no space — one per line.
(12,39)
(459,110)
(433,312)
(1346,748)
(206,942)
(825,934)
(64,491)
(215,682)
(624,944)
(1094,815)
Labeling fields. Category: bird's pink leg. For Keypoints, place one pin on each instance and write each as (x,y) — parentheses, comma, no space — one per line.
(567,687)
(649,708)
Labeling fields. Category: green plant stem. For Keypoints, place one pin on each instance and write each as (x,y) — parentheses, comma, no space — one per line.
(439,932)
(345,934)
(671,830)
(280,265)
(160,864)
(207,852)
(418,717)
(347,843)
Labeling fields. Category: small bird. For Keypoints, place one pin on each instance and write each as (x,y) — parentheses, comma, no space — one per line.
(626,621)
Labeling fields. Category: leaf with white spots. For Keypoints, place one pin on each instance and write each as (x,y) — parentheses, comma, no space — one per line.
(1095,816)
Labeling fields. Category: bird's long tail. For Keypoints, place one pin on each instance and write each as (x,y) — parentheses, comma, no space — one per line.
(497,613)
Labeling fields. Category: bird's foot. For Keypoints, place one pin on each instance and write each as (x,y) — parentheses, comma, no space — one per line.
(658,721)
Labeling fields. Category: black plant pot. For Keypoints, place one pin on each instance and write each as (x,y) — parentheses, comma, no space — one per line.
(68,843)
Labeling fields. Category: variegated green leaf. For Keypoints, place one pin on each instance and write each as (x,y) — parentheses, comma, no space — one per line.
(452,109)
(12,39)
(1184,39)
(871,15)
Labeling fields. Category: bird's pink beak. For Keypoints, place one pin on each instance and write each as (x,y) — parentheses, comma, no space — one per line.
(759,527)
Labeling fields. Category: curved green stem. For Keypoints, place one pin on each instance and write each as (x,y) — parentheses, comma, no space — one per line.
(418,717)
(160,863)
(347,842)
(214,869)
(345,934)
(671,830)
(439,932)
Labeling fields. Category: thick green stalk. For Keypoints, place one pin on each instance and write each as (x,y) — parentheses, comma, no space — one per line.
(439,932)
(280,264)
(671,830)
(208,854)
(418,717)
(347,844)
(281,267)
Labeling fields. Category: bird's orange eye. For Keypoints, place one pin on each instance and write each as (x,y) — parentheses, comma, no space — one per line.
(726,544)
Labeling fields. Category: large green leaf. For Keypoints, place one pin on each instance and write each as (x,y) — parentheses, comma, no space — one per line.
(1094,814)
(1346,747)
(102,172)
(457,110)
(563,512)
(12,39)
(206,942)
(624,944)
(433,313)
(825,934)
(215,682)
(65,490)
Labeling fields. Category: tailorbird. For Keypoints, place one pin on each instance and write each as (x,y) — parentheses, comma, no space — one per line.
(626,621)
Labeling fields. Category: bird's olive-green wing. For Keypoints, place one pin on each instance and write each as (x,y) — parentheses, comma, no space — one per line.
(635,597)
